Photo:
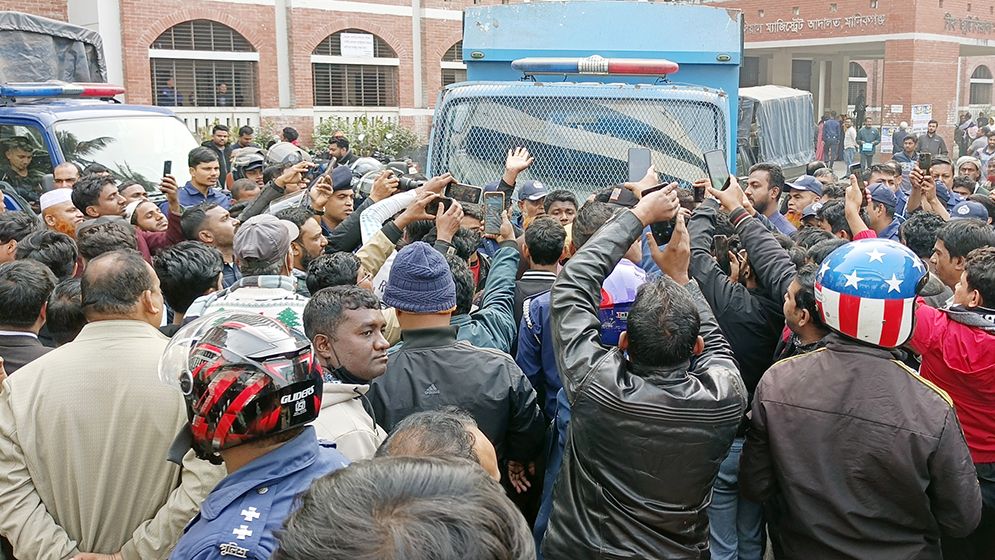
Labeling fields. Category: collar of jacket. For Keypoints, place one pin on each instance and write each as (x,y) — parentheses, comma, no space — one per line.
(428,338)
(840,343)
(117,328)
(672,374)
(295,455)
(977,317)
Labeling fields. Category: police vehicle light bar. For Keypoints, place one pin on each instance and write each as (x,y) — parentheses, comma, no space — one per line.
(58,89)
(596,65)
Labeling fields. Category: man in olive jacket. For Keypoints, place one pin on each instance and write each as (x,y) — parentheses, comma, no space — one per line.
(649,429)
(85,430)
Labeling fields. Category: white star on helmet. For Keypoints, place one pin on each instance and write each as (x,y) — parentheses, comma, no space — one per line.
(852,279)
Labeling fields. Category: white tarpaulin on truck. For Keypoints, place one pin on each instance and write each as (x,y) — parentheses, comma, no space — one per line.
(37,49)
(784,121)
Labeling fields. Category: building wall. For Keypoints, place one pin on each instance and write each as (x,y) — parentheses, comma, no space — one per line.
(900,78)
(55,9)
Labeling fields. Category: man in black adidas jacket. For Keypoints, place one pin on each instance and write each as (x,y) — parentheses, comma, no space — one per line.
(651,419)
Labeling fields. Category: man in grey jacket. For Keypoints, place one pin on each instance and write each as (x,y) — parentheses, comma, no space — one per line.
(652,418)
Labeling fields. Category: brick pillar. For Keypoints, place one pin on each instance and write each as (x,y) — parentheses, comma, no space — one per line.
(919,72)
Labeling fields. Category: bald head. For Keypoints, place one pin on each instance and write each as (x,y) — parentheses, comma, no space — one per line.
(448,432)
(66,174)
(121,285)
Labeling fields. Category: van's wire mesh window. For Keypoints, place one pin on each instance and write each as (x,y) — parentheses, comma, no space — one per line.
(579,134)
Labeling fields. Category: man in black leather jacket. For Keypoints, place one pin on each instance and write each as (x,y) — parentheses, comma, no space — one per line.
(652,419)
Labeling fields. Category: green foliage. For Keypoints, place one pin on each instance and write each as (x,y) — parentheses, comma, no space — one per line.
(367,134)
(267,129)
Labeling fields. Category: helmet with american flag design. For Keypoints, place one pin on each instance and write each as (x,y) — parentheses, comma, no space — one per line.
(866,290)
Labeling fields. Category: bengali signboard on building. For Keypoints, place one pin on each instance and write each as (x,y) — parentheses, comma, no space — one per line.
(797,25)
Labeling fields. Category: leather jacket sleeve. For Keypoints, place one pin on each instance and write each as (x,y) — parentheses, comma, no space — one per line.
(953,490)
(719,292)
(717,352)
(756,465)
(771,262)
(576,297)
(269,193)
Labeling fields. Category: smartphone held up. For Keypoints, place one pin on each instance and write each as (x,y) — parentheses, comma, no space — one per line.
(493,207)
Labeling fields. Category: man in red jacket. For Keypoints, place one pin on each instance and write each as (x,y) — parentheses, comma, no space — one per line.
(957,345)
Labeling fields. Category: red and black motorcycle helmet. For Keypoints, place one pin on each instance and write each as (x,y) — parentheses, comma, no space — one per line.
(244,377)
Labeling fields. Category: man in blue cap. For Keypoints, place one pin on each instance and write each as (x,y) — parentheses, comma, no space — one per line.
(340,204)
(433,369)
(804,191)
(970,210)
(810,215)
(530,202)
(881,211)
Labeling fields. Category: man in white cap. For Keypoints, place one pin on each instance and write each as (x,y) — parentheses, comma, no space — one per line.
(59,213)
(262,252)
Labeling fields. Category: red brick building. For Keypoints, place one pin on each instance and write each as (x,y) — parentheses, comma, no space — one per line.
(931,55)
(297,62)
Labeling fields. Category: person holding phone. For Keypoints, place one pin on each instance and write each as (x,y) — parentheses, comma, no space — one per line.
(749,307)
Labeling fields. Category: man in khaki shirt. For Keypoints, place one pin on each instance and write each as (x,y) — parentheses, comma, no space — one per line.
(85,430)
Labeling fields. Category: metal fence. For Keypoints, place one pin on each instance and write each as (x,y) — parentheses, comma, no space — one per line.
(579,134)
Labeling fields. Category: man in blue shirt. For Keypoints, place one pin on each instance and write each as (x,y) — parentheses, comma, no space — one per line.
(202,186)
(251,385)
(764,188)
(881,211)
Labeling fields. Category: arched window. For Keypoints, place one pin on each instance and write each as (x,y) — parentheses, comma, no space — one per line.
(981,86)
(858,84)
(353,68)
(202,63)
(453,69)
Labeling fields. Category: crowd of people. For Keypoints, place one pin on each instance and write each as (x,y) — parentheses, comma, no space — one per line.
(801,368)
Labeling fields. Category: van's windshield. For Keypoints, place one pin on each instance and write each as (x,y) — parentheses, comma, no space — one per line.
(133,148)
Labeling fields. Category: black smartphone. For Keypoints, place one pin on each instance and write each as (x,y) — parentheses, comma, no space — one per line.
(718,173)
(640,159)
(433,207)
(468,194)
(662,231)
(925,160)
(167,167)
(493,207)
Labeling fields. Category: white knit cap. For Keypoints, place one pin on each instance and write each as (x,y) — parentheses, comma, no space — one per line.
(55,196)
(129,210)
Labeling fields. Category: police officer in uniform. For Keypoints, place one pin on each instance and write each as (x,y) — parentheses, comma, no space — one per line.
(251,386)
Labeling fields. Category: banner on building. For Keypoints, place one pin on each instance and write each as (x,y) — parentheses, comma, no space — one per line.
(886,146)
(357,45)
(921,115)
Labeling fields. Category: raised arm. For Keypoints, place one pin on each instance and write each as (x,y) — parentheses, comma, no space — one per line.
(770,261)
(576,292)
(719,292)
